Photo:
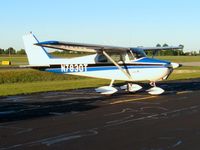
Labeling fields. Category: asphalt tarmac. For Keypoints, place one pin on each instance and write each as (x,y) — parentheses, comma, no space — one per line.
(85,120)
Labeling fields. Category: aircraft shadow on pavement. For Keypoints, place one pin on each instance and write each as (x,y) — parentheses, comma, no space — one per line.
(12,111)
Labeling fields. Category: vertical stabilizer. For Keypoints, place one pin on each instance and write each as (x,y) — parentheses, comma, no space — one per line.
(37,56)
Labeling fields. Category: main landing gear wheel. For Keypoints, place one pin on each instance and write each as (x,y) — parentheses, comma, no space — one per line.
(131,87)
(107,90)
(155,90)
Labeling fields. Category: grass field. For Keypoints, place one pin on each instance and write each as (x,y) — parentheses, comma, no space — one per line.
(44,86)
(15,60)
(25,81)
(30,75)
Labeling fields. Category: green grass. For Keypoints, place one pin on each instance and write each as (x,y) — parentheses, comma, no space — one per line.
(184,76)
(30,75)
(185,73)
(60,85)
(26,81)
(15,60)
(44,86)
(180,59)
(31,81)
(189,68)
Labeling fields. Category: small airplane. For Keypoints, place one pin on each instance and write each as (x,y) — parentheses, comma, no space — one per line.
(129,64)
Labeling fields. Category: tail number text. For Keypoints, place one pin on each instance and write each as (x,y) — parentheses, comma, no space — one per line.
(74,67)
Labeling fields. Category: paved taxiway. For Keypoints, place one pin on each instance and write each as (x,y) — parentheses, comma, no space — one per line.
(191,63)
(82,119)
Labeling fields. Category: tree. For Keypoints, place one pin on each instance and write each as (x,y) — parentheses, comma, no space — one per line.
(21,51)
(180,52)
(10,51)
(158,45)
(2,51)
(165,45)
(182,46)
(194,53)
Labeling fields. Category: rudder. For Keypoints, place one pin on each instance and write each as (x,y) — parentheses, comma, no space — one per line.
(37,56)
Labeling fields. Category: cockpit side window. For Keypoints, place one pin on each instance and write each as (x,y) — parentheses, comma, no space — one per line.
(117,57)
(101,58)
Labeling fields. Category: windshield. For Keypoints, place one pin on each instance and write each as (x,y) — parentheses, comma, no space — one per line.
(138,53)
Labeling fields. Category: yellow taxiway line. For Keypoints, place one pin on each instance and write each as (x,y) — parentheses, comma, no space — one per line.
(184,92)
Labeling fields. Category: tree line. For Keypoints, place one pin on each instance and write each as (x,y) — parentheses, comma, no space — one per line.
(12,51)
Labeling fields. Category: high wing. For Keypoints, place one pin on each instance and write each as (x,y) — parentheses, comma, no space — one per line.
(159,48)
(95,48)
(80,47)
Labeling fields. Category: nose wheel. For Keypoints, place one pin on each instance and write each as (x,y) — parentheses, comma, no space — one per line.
(155,90)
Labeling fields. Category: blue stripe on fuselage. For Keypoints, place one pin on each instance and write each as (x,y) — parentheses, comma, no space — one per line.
(152,60)
(102,68)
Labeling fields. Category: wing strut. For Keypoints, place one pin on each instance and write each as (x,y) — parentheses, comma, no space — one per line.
(116,64)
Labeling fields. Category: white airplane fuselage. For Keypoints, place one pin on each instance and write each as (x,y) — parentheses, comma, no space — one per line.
(143,69)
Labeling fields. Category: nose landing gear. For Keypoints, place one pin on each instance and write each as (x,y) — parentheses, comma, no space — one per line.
(155,90)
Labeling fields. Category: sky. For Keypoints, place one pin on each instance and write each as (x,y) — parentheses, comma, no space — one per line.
(110,22)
